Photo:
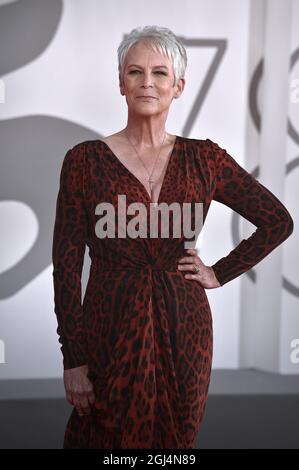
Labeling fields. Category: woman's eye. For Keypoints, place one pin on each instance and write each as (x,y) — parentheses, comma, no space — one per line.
(158,71)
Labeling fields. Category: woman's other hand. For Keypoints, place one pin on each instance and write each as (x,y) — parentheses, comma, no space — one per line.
(79,389)
(206,276)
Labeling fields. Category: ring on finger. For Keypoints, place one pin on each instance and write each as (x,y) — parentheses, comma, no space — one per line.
(197,269)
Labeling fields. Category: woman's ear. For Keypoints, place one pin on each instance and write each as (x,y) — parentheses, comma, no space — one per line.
(180,87)
(121,87)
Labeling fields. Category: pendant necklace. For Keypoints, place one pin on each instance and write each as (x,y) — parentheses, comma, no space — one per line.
(150,180)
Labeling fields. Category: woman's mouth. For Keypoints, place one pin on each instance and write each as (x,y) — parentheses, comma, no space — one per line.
(146,98)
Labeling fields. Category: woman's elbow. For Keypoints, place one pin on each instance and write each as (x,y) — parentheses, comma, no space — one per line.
(290,226)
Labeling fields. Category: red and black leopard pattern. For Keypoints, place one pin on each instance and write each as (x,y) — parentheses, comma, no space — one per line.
(144,330)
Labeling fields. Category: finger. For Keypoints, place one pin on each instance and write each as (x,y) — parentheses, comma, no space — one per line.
(86,410)
(79,410)
(77,404)
(192,276)
(91,398)
(84,405)
(69,398)
(192,251)
(191,266)
(187,267)
(189,259)
(195,260)
(90,395)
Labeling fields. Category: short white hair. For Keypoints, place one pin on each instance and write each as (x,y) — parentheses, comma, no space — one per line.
(161,39)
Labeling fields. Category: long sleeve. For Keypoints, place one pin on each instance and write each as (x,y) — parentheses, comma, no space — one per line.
(239,190)
(68,248)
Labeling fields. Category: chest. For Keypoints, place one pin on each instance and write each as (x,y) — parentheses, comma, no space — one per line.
(149,168)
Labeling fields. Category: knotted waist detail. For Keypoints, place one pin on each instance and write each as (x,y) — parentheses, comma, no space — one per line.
(151,265)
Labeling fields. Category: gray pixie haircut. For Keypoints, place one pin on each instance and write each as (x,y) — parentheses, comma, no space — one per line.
(161,39)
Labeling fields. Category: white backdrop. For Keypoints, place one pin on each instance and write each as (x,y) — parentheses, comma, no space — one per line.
(61,87)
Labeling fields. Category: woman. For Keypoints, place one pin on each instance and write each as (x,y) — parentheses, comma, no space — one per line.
(138,352)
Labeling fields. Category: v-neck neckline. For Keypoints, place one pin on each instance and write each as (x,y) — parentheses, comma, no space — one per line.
(129,172)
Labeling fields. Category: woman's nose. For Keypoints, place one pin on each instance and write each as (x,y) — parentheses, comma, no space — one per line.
(147,79)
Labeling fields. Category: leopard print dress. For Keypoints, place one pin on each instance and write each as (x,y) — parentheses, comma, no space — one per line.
(144,330)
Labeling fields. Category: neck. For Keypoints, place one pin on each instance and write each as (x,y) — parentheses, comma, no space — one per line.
(145,134)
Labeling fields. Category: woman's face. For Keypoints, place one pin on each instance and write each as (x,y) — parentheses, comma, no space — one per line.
(149,73)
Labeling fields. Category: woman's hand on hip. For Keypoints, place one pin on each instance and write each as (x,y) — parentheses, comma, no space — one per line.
(79,389)
(205,276)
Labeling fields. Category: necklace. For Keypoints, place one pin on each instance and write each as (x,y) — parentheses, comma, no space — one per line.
(150,180)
